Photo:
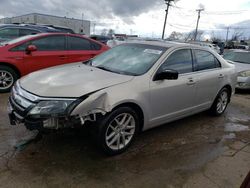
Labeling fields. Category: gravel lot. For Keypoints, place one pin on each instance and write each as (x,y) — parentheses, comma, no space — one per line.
(199,151)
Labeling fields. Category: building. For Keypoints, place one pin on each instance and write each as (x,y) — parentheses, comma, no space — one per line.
(78,26)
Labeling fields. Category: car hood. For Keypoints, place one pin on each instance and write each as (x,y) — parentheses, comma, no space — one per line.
(240,66)
(73,80)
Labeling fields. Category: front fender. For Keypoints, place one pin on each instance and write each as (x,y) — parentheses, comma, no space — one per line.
(95,103)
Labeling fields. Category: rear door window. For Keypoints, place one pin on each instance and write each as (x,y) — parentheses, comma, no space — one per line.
(205,60)
(95,46)
(77,43)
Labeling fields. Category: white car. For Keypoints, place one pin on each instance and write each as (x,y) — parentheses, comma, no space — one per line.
(130,88)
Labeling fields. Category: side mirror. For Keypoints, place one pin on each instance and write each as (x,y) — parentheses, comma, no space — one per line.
(30,49)
(166,75)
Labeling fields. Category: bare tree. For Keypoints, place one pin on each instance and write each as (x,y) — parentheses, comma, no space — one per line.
(111,32)
(104,32)
(175,36)
(215,37)
(191,35)
(237,35)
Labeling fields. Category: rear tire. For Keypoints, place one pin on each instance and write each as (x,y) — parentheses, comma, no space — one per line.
(220,103)
(8,77)
(117,130)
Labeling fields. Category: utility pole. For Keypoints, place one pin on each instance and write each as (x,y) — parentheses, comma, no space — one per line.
(168,3)
(94,28)
(198,20)
(227,34)
(82,18)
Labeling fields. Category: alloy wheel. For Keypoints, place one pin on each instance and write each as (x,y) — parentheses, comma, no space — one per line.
(120,131)
(222,102)
(6,79)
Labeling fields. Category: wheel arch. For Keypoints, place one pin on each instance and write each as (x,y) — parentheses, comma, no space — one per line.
(135,107)
(13,67)
(229,87)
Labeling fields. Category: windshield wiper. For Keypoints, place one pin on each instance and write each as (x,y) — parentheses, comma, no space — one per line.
(88,62)
(241,62)
(106,69)
(118,72)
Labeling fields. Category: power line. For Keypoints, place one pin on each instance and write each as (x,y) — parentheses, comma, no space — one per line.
(177,27)
(225,12)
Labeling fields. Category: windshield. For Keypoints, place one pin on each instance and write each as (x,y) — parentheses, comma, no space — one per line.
(9,42)
(129,59)
(240,57)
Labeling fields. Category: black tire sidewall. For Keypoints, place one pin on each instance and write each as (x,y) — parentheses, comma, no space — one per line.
(14,75)
(103,125)
(214,107)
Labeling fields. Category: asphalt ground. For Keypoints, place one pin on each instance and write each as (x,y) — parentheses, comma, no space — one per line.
(198,151)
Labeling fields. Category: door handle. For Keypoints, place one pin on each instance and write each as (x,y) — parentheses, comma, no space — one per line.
(18,58)
(63,57)
(191,81)
(221,76)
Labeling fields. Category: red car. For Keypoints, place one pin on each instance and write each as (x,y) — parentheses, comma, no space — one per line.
(26,54)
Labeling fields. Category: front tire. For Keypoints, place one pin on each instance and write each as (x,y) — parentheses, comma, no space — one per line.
(118,130)
(7,78)
(221,102)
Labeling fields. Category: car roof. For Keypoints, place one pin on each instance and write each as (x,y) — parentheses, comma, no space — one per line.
(239,50)
(53,34)
(167,44)
(58,33)
(40,28)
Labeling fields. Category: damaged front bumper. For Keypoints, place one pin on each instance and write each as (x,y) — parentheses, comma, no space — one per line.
(19,116)
(38,113)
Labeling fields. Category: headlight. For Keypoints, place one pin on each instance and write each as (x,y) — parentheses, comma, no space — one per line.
(245,74)
(45,108)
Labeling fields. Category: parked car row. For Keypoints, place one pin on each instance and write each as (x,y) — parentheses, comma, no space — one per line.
(12,31)
(30,53)
(101,38)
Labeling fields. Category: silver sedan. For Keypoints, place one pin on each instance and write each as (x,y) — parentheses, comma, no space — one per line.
(130,88)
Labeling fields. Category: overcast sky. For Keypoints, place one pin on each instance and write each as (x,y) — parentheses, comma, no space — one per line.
(144,17)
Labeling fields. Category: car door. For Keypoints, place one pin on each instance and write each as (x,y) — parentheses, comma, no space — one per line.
(171,99)
(80,49)
(50,52)
(209,78)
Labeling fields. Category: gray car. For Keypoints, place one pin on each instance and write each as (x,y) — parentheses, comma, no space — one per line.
(241,60)
(130,88)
